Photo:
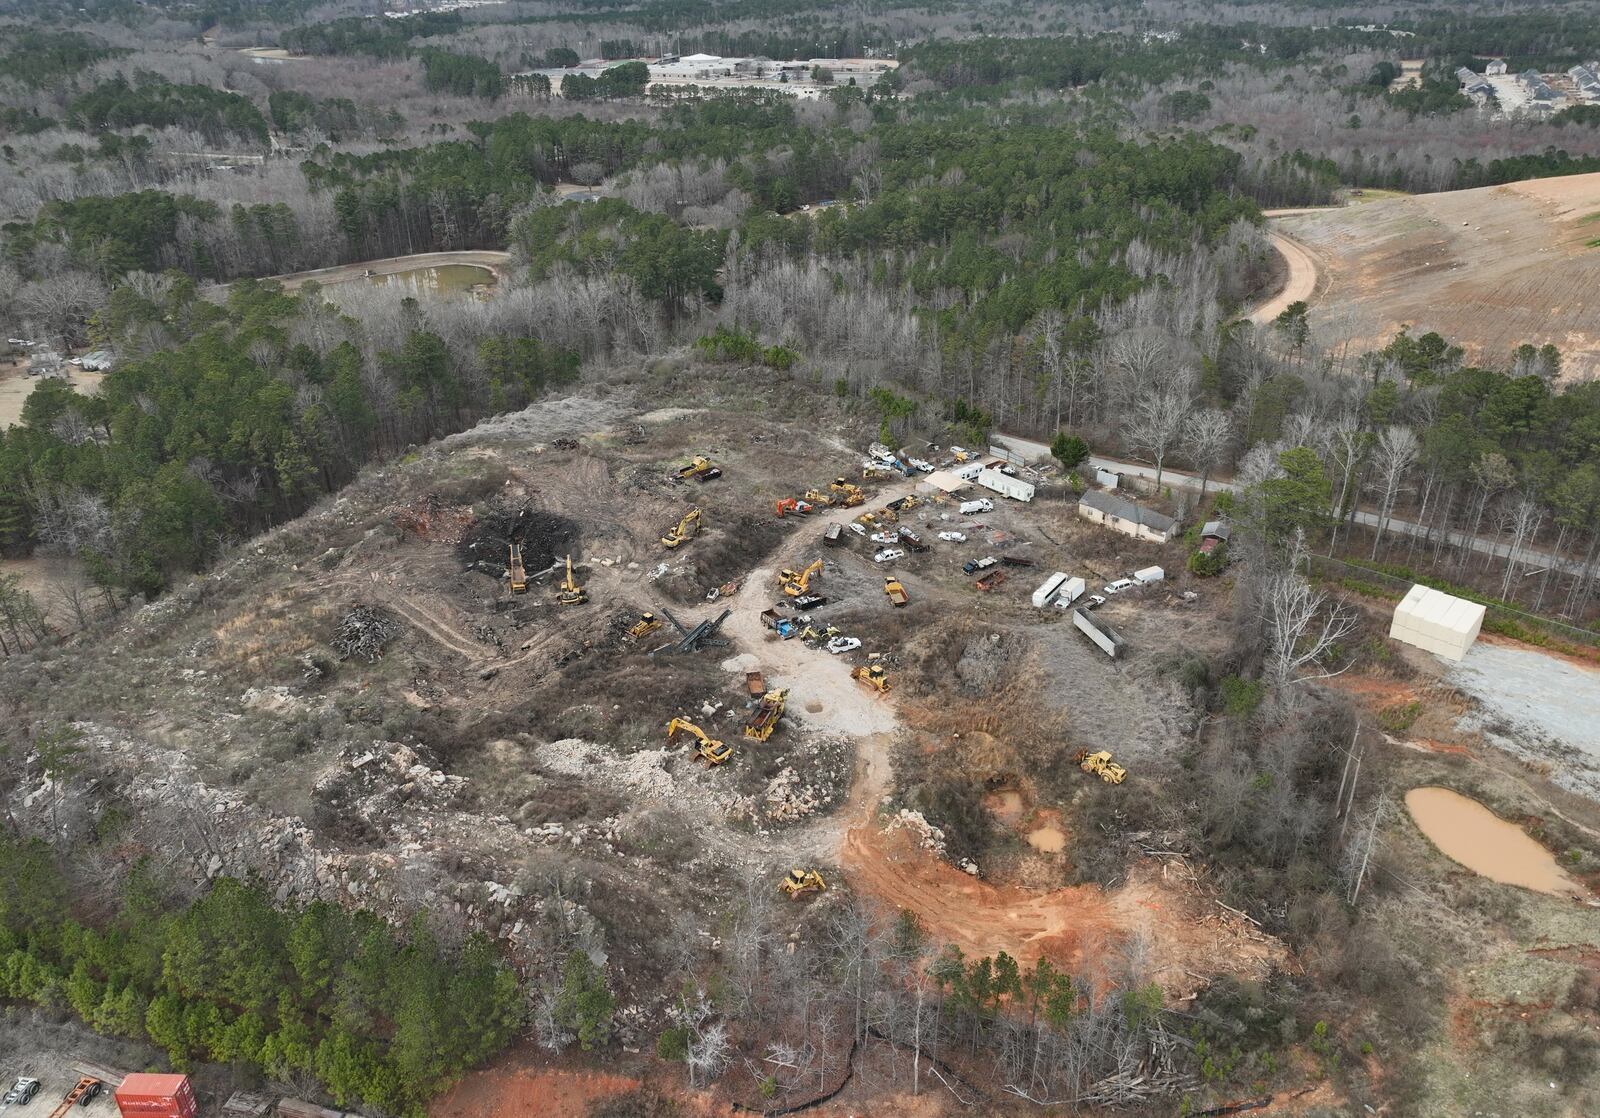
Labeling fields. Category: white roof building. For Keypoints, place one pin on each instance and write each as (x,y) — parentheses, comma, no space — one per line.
(1437,622)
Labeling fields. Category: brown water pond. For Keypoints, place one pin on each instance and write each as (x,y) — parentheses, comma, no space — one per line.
(441,279)
(1467,832)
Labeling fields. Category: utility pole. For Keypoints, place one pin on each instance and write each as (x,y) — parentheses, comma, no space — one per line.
(1372,834)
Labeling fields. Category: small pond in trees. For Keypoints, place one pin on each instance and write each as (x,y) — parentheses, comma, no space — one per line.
(441,279)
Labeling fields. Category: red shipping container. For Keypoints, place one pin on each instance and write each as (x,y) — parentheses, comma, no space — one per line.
(156,1096)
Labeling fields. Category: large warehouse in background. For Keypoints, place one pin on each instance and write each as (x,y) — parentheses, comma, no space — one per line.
(1439,622)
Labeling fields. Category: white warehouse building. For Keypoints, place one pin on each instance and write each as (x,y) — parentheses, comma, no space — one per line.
(1438,622)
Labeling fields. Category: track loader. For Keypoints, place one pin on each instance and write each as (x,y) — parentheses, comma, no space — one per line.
(764,719)
(706,747)
(796,583)
(873,676)
(571,593)
(850,495)
(799,882)
(818,498)
(647,624)
(686,529)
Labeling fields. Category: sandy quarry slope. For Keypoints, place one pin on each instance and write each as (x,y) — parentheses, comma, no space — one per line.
(1489,268)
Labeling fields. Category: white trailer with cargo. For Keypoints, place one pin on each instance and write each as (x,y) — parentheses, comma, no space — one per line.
(1048,591)
(1149,576)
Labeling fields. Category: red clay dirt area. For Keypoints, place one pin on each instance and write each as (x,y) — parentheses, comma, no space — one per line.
(1159,912)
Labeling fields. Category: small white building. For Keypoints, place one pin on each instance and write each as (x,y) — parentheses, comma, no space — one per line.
(1438,622)
(1122,515)
(1496,67)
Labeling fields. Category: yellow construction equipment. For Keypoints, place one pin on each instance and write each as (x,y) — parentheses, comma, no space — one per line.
(571,593)
(764,719)
(701,469)
(906,503)
(897,592)
(1102,766)
(706,748)
(516,571)
(647,624)
(818,498)
(686,529)
(873,676)
(796,583)
(849,495)
(800,882)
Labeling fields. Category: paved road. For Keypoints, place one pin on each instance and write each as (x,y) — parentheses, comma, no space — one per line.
(1028,448)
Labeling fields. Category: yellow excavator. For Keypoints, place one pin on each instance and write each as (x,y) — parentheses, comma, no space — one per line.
(873,676)
(686,529)
(701,469)
(800,882)
(764,719)
(850,495)
(706,748)
(796,583)
(647,624)
(516,571)
(571,593)
(1102,766)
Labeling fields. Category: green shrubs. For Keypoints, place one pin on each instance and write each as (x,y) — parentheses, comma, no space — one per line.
(724,344)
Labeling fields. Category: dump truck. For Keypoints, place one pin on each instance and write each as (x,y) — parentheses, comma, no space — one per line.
(799,882)
(873,676)
(701,469)
(897,592)
(515,571)
(1101,765)
(764,719)
(755,684)
(706,748)
(912,540)
(687,528)
(833,535)
(779,624)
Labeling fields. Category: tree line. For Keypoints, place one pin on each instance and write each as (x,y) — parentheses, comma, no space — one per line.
(378,1017)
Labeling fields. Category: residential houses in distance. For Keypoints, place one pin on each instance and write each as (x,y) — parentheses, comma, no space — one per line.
(1530,93)
(802,78)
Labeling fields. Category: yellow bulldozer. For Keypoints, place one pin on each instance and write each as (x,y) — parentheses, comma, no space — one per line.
(819,498)
(764,719)
(1101,765)
(515,571)
(873,676)
(647,624)
(850,495)
(706,747)
(797,883)
(796,583)
(686,529)
(571,593)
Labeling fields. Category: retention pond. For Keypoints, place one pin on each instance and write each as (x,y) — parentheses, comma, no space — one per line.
(1467,832)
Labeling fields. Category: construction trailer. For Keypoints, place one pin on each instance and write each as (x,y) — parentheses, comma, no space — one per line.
(1149,575)
(1006,485)
(1438,622)
(1110,642)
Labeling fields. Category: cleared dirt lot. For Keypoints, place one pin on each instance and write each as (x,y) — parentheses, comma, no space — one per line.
(1489,269)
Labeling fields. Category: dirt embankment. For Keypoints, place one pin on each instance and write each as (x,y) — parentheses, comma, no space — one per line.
(1490,269)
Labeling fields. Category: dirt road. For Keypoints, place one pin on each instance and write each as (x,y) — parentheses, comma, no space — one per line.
(493,260)
(1300,284)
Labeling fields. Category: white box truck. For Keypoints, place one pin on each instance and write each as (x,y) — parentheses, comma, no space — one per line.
(1149,575)
(1047,592)
(1071,591)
